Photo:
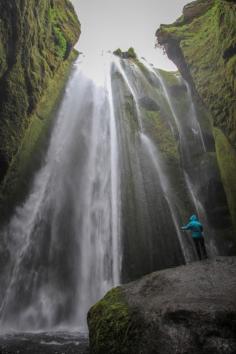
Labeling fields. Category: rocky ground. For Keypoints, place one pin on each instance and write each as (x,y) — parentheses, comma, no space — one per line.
(188,309)
(44,343)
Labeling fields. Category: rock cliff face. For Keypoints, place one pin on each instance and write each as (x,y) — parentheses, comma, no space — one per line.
(36,42)
(188,309)
(177,135)
(35,39)
(202,43)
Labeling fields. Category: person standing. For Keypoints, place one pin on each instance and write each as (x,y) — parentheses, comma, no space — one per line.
(196,229)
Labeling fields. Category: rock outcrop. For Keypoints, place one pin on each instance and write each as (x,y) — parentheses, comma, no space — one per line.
(202,43)
(188,309)
(36,53)
(130,54)
(35,39)
(174,125)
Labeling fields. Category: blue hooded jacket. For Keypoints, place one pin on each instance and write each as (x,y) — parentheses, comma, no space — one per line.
(195,226)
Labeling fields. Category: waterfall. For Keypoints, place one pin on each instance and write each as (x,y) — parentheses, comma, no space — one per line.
(117,182)
(195,125)
(64,240)
(191,144)
(152,151)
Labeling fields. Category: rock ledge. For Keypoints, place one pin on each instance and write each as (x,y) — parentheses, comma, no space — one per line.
(188,309)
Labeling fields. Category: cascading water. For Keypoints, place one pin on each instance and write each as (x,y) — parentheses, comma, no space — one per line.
(194,154)
(135,86)
(191,144)
(64,241)
(107,204)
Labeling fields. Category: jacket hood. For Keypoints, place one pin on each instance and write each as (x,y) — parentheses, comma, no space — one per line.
(193,218)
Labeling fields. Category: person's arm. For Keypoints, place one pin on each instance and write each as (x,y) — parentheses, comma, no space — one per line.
(186,227)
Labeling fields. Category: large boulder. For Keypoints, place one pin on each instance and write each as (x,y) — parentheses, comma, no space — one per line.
(188,309)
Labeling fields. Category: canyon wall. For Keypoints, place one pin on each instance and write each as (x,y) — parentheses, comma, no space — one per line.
(202,43)
(36,42)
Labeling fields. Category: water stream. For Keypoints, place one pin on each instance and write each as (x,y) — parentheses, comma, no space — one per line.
(64,240)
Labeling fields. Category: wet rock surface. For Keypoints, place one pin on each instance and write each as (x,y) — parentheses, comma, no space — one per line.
(196,8)
(188,309)
(31,50)
(44,343)
(204,25)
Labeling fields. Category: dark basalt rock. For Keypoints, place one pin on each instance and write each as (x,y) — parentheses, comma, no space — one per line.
(188,309)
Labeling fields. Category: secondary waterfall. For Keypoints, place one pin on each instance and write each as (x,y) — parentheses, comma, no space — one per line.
(107,204)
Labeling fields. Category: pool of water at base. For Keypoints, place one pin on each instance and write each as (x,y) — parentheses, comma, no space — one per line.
(44,343)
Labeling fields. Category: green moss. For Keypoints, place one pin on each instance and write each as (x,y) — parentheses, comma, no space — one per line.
(170,77)
(31,51)
(118,52)
(17,179)
(206,42)
(142,67)
(131,53)
(60,42)
(157,127)
(111,326)
(130,113)
(3,59)
(61,38)
(203,46)
(160,131)
(226,157)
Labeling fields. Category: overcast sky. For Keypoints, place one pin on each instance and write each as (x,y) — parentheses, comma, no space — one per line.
(112,24)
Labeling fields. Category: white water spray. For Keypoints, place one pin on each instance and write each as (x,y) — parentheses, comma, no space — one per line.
(68,229)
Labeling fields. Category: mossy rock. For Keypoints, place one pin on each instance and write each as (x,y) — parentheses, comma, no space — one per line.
(203,47)
(118,52)
(171,77)
(32,51)
(158,128)
(168,311)
(28,158)
(129,54)
(226,157)
(112,328)
(149,104)
(202,43)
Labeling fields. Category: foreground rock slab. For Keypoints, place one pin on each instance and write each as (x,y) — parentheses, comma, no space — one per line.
(188,309)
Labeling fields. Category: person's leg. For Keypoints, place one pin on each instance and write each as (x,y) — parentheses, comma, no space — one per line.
(197,246)
(203,247)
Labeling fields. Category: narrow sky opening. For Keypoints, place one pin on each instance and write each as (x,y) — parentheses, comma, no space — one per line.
(111,24)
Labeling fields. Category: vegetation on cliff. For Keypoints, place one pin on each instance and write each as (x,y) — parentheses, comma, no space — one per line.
(28,158)
(35,38)
(202,43)
(130,54)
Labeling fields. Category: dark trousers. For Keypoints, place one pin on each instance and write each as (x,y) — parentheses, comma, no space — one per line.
(200,247)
